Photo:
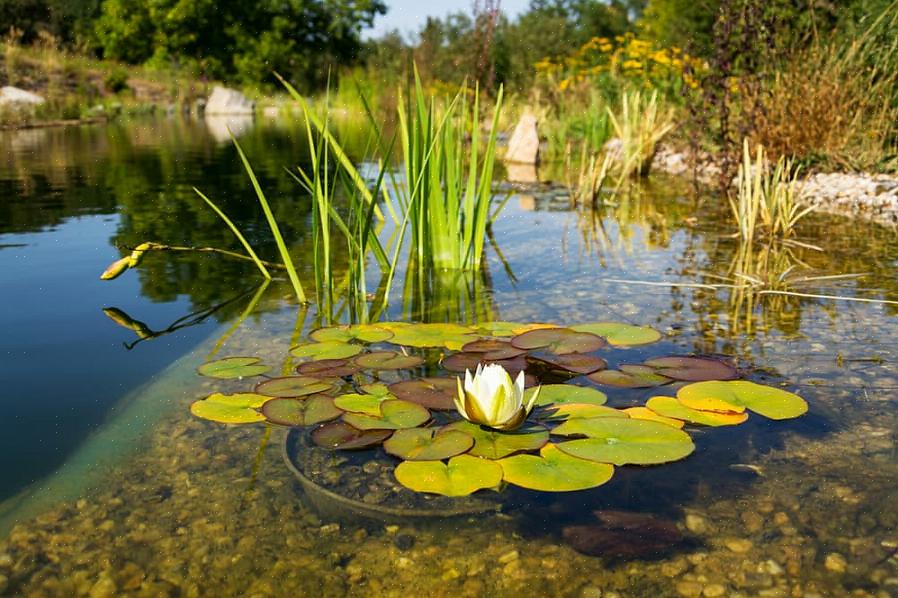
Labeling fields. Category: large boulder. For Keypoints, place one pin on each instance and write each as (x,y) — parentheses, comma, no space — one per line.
(229,101)
(523,147)
(19,98)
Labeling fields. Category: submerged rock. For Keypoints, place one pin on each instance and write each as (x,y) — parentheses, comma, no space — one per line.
(623,535)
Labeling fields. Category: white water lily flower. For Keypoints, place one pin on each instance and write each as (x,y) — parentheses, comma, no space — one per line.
(491,399)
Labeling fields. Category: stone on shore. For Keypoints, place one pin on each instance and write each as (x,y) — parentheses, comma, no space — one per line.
(523,147)
(224,101)
(18,98)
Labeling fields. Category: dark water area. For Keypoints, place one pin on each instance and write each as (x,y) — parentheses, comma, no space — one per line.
(112,487)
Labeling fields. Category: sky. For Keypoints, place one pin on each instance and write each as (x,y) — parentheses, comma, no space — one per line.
(409,15)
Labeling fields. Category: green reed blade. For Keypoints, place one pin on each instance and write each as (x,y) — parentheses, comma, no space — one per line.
(238,234)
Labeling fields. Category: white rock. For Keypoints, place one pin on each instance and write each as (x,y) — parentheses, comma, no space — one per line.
(229,101)
(523,146)
(13,96)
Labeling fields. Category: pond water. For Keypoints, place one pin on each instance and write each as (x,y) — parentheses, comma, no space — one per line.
(111,487)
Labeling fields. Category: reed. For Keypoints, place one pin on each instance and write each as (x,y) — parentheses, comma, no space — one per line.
(639,124)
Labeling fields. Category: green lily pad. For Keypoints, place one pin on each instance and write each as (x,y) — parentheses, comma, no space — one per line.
(671,407)
(237,408)
(734,395)
(294,386)
(493,349)
(559,341)
(378,389)
(554,471)
(563,411)
(360,403)
(567,393)
(620,334)
(328,368)
(433,393)
(462,476)
(576,363)
(395,415)
(492,444)
(388,360)
(692,369)
(301,412)
(427,444)
(365,333)
(501,328)
(233,367)
(629,376)
(451,336)
(326,350)
(646,413)
(623,441)
(341,436)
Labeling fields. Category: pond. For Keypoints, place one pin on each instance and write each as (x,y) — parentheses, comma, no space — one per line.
(111,487)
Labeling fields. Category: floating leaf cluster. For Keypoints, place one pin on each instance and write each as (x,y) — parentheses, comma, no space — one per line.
(392,384)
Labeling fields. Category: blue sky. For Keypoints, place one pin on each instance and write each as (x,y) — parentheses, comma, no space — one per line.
(409,15)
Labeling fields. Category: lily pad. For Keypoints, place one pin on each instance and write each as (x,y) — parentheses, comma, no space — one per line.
(342,436)
(237,408)
(554,471)
(360,403)
(233,367)
(493,349)
(671,407)
(629,376)
(427,444)
(378,389)
(620,334)
(326,350)
(459,362)
(559,341)
(646,413)
(577,363)
(395,415)
(692,369)
(623,441)
(365,333)
(451,336)
(388,360)
(491,444)
(328,368)
(301,412)
(462,476)
(293,386)
(433,393)
(735,395)
(501,328)
(568,393)
(563,411)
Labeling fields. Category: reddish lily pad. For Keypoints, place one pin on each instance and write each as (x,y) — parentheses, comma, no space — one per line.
(621,441)
(428,444)
(493,349)
(328,368)
(692,369)
(365,333)
(388,360)
(326,350)
(433,393)
(341,436)
(294,386)
(554,471)
(300,412)
(630,376)
(463,475)
(233,367)
(559,341)
(395,415)
(491,444)
(577,363)
(459,362)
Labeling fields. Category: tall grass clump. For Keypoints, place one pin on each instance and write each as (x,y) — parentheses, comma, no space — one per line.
(447,173)
(640,123)
(767,200)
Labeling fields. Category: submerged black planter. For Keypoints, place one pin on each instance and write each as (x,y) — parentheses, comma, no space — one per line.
(352,485)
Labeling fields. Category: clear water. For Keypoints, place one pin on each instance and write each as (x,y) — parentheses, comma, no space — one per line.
(112,488)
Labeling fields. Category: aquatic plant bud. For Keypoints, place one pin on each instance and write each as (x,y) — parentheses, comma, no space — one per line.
(116,268)
(490,398)
(137,254)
